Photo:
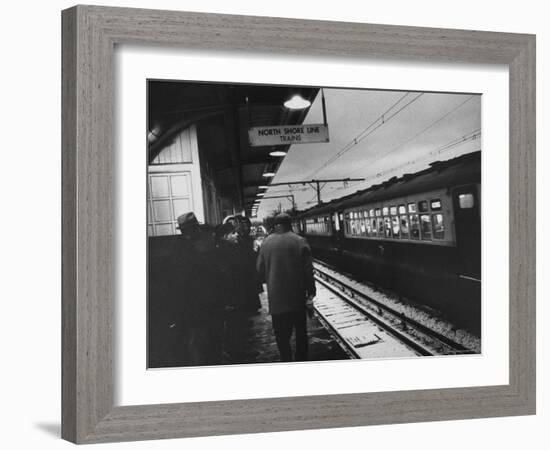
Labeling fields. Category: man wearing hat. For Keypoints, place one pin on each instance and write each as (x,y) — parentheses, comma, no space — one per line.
(199,292)
(286,265)
(188,224)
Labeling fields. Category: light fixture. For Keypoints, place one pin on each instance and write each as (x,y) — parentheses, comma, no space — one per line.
(277,153)
(297,102)
(268,174)
(263,187)
(260,194)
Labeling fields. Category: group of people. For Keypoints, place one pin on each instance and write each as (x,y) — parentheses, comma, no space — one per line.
(216,276)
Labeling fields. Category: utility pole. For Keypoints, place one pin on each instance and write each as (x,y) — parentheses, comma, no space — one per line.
(317,185)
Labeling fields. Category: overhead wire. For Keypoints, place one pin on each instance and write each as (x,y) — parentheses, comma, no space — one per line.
(431,125)
(473,135)
(381,120)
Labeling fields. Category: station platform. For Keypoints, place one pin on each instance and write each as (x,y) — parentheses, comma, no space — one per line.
(247,338)
(252,339)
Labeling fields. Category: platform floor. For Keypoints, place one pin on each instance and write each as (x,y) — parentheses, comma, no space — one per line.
(252,339)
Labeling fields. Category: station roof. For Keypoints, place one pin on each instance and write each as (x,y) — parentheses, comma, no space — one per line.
(223,113)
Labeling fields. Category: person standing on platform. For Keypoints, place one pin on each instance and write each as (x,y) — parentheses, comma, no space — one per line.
(247,278)
(200,293)
(237,317)
(285,263)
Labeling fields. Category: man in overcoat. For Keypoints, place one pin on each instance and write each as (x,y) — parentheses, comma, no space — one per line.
(199,291)
(285,263)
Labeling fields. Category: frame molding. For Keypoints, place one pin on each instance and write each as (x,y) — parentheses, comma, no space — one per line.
(89,34)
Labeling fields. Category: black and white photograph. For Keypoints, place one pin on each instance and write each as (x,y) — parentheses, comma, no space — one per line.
(296,223)
(275,225)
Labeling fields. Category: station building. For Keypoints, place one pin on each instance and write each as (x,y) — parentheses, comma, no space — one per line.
(199,157)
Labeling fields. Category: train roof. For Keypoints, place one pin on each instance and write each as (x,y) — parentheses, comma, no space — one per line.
(453,172)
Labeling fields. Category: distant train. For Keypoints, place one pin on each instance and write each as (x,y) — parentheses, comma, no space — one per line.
(418,235)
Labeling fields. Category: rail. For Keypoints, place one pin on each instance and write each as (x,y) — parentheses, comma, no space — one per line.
(415,335)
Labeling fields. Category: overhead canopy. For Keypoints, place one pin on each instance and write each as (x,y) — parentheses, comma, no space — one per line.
(223,114)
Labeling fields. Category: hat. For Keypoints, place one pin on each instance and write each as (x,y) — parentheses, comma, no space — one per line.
(223,229)
(187,221)
(282,219)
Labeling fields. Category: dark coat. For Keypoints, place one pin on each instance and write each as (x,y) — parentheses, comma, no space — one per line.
(247,281)
(197,286)
(285,263)
(240,280)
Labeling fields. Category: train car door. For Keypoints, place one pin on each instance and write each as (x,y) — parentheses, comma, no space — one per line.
(338,227)
(468,230)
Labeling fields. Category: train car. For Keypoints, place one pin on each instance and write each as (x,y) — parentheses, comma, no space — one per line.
(418,235)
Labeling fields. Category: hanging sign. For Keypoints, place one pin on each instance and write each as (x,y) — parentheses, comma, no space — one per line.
(287,135)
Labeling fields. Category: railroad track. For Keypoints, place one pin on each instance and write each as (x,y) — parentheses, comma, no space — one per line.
(412,334)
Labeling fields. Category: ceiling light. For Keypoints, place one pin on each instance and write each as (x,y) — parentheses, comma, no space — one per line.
(277,153)
(268,174)
(263,187)
(260,194)
(297,102)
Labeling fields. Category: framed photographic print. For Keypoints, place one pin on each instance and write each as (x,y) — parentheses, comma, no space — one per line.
(305,210)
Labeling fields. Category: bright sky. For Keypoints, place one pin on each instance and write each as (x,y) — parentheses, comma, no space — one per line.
(377,135)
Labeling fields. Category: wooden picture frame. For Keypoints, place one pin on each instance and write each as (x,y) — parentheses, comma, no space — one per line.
(89,36)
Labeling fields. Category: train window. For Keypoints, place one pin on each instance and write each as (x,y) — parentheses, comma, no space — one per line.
(438,228)
(387,227)
(466,201)
(404,221)
(395,226)
(368,231)
(402,209)
(423,206)
(377,212)
(371,213)
(415,226)
(412,207)
(393,210)
(435,204)
(385,210)
(426,227)
(380,227)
